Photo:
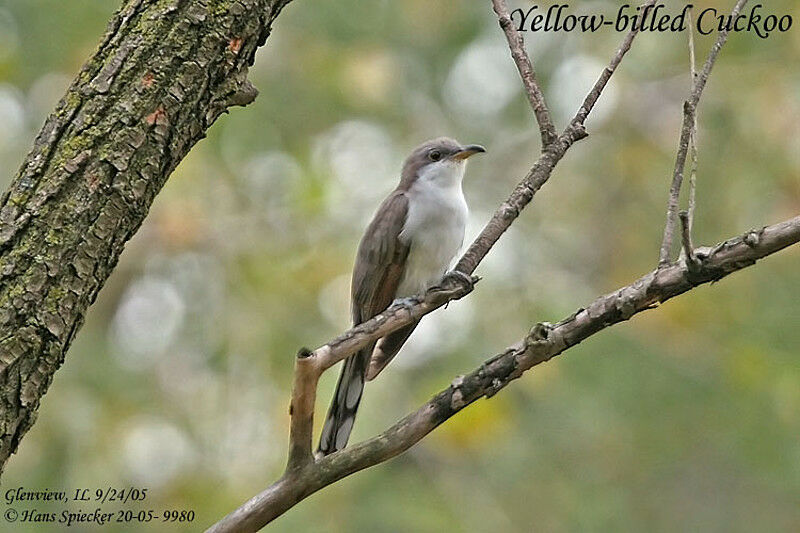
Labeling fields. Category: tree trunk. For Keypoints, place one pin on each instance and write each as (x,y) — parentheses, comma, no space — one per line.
(163,73)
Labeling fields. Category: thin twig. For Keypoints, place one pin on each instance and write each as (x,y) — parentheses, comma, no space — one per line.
(544,342)
(600,84)
(393,318)
(692,262)
(689,111)
(523,61)
(693,133)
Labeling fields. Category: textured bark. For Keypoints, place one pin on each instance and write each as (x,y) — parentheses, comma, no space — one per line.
(162,74)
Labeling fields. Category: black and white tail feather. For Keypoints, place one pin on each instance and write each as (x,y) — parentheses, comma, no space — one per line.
(342,412)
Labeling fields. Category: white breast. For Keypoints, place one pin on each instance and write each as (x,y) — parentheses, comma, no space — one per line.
(437,215)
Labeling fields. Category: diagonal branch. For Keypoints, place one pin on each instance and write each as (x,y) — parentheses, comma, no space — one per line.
(544,342)
(692,134)
(689,112)
(393,318)
(600,84)
(523,61)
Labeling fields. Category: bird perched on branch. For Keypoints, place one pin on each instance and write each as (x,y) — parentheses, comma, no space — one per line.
(406,249)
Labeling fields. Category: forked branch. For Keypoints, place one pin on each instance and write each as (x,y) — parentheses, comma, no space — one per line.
(688,126)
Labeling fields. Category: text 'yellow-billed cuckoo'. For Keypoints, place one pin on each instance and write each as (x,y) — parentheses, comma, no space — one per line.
(406,249)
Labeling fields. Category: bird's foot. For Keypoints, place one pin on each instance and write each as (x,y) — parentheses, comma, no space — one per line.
(456,279)
(408,303)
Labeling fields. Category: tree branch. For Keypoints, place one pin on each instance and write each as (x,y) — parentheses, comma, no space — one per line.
(600,84)
(686,238)
(544,342)
(301,411)
(692,133)
(689,121)
(523,61)
(394,317)
(162,74)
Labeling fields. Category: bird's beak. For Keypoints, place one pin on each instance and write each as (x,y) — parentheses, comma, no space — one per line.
(470,149)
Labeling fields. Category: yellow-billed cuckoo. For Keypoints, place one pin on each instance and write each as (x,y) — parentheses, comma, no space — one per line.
(406,249)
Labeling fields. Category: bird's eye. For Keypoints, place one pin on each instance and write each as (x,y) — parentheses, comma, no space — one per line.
(435,155)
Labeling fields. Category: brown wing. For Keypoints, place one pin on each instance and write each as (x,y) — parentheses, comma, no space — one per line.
(380,261)
(378,270)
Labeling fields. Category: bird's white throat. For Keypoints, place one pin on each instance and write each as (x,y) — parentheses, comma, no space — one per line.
(444,173)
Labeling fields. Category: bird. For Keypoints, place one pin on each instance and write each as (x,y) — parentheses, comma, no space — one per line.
(407,248)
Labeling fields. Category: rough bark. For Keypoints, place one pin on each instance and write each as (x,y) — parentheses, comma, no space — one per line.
(163,73)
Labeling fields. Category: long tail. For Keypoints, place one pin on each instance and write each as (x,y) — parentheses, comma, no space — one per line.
(342,412)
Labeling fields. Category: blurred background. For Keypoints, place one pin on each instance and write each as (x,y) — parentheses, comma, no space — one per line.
(685,418)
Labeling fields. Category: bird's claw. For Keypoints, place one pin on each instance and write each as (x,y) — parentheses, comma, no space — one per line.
(456,279)
(408,303)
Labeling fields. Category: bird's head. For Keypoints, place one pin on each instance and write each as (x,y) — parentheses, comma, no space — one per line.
(440,161)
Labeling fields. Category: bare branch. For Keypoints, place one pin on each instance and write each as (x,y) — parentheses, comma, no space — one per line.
(301,410)
(692,175)
(395,317)
(535,96)
(522,195)
(693,133)
(686,238)
(689,111)
(600,84)
(544,342)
